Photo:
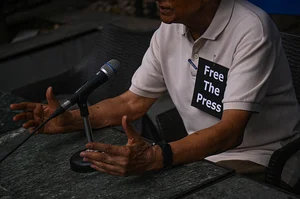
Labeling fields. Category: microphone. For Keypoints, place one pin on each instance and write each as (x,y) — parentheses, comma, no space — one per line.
(107,71)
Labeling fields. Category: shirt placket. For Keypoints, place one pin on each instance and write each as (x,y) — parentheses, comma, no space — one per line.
(195,56)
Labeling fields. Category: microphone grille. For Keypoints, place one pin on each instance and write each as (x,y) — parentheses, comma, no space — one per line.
(111,68)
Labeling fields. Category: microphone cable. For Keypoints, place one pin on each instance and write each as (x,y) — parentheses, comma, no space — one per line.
(107,71)
(27,138)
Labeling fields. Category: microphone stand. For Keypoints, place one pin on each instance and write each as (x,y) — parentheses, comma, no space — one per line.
(76,161)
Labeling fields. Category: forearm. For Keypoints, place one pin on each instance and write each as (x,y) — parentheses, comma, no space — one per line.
(109,112)
(225,135)
(204,143)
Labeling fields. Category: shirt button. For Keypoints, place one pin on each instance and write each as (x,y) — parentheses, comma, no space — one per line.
(196,56)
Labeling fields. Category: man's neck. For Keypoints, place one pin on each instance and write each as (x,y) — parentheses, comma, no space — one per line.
(199,22)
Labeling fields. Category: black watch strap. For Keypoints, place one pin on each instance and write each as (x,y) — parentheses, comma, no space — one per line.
(167,154)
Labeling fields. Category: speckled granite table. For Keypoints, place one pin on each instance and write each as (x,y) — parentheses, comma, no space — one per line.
(6,114)
(40,169)
(237,187)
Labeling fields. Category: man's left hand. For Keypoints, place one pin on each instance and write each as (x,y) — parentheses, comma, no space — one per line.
(135,158)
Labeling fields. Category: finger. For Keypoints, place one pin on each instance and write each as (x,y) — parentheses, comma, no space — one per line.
(108,168)
(98,156)
(129,130)
(104,171)
(31,129)
(31,123)
(23,116)
(104,157)
(107,148)
(53,103)
(38,113)
(28,106)
(109,159)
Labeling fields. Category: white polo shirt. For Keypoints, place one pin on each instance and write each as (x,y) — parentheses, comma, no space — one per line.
(243,39)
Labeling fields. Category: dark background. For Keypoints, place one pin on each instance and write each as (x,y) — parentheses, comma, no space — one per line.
(19,15)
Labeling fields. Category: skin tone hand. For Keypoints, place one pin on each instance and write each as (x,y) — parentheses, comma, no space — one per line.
(35,113)
(135,158)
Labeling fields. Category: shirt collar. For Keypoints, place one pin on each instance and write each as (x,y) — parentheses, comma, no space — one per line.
(219,22)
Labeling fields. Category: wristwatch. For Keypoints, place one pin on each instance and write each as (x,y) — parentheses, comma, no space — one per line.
(166,153)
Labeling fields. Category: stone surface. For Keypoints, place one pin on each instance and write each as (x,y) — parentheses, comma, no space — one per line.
(40,169)
(238,187)
(6,115)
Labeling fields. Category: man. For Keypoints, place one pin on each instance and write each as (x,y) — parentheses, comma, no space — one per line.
(223,65)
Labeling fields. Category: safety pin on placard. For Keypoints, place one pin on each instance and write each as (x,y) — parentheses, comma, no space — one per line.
(214,59)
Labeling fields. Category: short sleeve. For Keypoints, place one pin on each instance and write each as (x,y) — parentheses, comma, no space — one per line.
(250,74)
(148,80)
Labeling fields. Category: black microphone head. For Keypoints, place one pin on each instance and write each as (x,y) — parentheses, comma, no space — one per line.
(110,68)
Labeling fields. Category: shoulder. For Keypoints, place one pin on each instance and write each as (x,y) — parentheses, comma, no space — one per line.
(253,22)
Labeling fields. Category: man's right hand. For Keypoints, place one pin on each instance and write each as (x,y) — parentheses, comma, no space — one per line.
(35,113)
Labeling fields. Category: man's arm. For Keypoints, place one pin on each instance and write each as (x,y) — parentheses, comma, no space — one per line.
(138,156)
(109,112)
(225,135)
(105,113)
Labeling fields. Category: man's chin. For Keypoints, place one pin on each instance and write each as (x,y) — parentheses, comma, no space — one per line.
(167,20)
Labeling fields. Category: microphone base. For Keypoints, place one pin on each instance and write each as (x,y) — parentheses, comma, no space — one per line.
(78,165)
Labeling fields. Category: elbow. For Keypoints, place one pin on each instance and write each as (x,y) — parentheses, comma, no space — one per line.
(239,140)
